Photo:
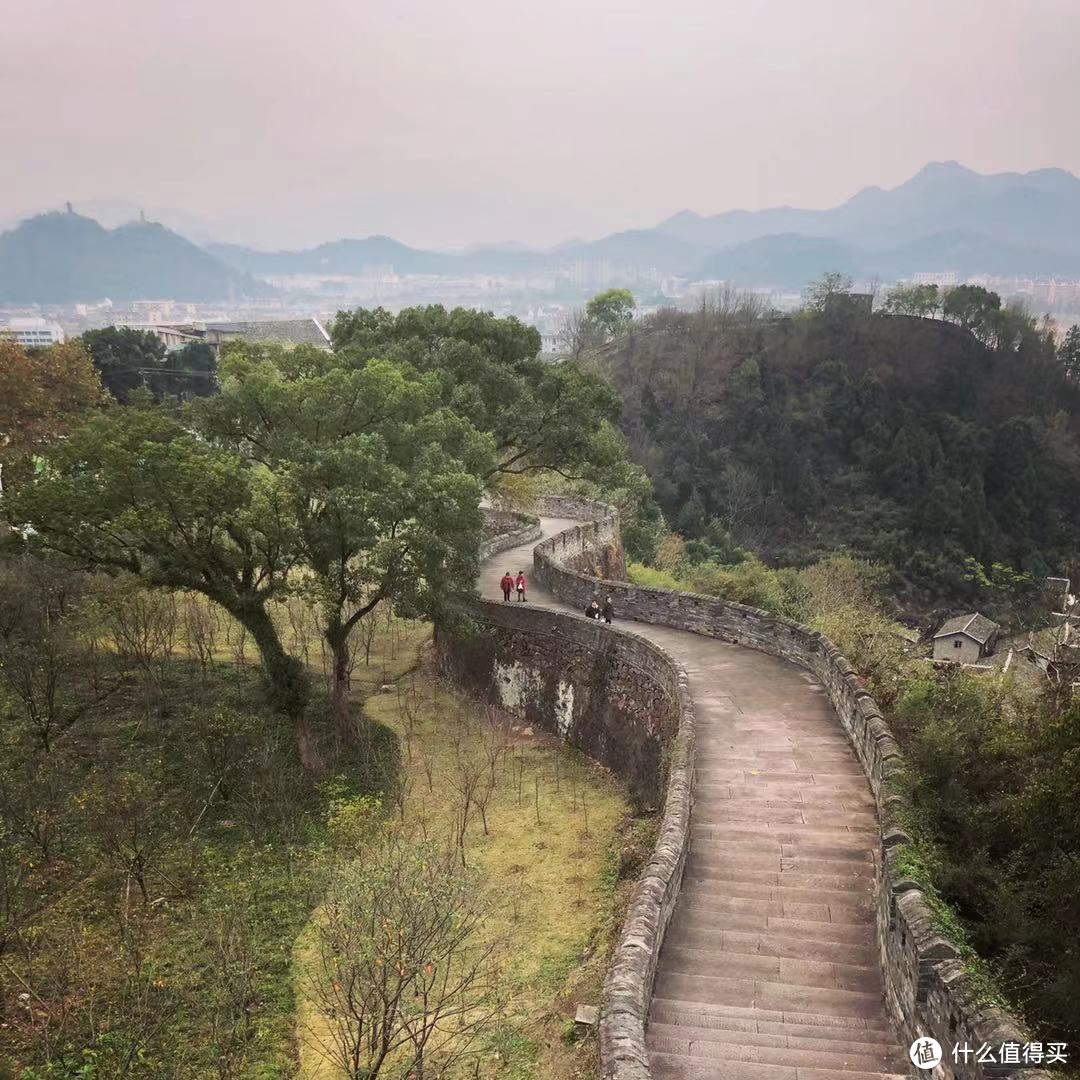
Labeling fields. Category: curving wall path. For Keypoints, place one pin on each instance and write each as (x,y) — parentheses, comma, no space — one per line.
(768,937)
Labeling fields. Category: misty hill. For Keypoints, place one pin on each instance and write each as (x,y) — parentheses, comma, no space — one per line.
(1039,208)
(907,441)
(637,247)
(946,217)
(65,257)
(789,260)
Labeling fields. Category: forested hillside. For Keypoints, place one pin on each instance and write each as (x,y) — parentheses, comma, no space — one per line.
(917,443)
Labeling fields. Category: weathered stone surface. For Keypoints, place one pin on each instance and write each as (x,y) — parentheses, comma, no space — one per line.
(926,988)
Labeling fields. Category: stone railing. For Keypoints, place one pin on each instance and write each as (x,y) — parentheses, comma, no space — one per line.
(928,989)
(505,529)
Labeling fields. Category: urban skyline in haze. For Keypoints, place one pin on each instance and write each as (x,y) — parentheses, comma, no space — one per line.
(452,123)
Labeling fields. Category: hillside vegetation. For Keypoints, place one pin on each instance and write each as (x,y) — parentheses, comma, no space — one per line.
(826,465)
(906,441)
(226,848)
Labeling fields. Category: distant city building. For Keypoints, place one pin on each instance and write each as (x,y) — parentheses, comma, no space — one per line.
(966,639)
(32,333)
(941,280)
(309,331)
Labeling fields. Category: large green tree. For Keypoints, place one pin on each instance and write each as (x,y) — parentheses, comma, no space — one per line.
(383,483)
(42,393)
(188,372)
(134,491)
(1069,353)
(541,415)
(126,359)
(611,310)
(905,299)
(973,307)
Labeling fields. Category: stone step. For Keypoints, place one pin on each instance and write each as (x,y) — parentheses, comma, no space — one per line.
(866,833)
(733,774)
(706,899)
(707,1016)
(728,812)
(779,862)
(773,1050)
(791,971)
(692,915)
(766,993)
(833,874)
(882,1046)
(685,934)
(796,792)
(673,1067)
(751,754)
(731,769)
(852,883)
(781,892)
(851,846)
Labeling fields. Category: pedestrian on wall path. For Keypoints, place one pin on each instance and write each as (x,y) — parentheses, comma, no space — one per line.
(507,585)
(592,611)
(521,585)
(608,611)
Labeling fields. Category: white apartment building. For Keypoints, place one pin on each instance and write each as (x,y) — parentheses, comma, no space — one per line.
(32,333)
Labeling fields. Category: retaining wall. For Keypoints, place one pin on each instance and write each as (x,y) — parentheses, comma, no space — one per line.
(607,692)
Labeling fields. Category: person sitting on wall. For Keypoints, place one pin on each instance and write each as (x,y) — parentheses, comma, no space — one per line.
(592,611)
(608,611)
(507,585)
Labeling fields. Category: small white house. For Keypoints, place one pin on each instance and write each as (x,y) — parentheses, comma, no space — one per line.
(965,639)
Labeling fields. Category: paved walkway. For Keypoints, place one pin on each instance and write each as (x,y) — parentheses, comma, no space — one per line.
(769,968)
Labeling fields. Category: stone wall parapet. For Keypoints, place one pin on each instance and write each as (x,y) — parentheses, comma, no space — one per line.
(929,990)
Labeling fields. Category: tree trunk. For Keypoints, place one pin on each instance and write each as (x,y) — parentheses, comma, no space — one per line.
(285,674)
(337,637)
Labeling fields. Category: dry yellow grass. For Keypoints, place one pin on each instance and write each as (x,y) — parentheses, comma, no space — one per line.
(547,858)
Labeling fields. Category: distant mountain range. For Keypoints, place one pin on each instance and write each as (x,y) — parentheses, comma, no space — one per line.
(945,218)
(65,257)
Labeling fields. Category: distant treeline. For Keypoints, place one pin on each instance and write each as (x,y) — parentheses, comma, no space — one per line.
(918,443)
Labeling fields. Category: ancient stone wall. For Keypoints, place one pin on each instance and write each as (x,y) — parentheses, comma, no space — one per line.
(609,693)
(928,988)
(505,529)
(624,701)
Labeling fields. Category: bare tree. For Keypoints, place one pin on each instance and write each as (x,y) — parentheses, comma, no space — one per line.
(200,622)
(468,775)
(579,334)
(143,624)
(407,976)
(39,652)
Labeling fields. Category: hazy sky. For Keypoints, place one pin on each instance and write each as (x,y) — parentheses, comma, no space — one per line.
(445,122)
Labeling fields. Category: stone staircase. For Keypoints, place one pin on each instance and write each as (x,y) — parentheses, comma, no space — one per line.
(769,968)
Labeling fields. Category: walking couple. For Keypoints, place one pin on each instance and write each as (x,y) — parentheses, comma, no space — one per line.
(595,611)
(509,583)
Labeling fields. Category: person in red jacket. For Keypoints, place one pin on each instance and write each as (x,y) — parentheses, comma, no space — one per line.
(507,585)
(520,585)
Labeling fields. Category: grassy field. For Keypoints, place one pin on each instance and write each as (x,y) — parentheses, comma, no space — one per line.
(549,855)
(163,852)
